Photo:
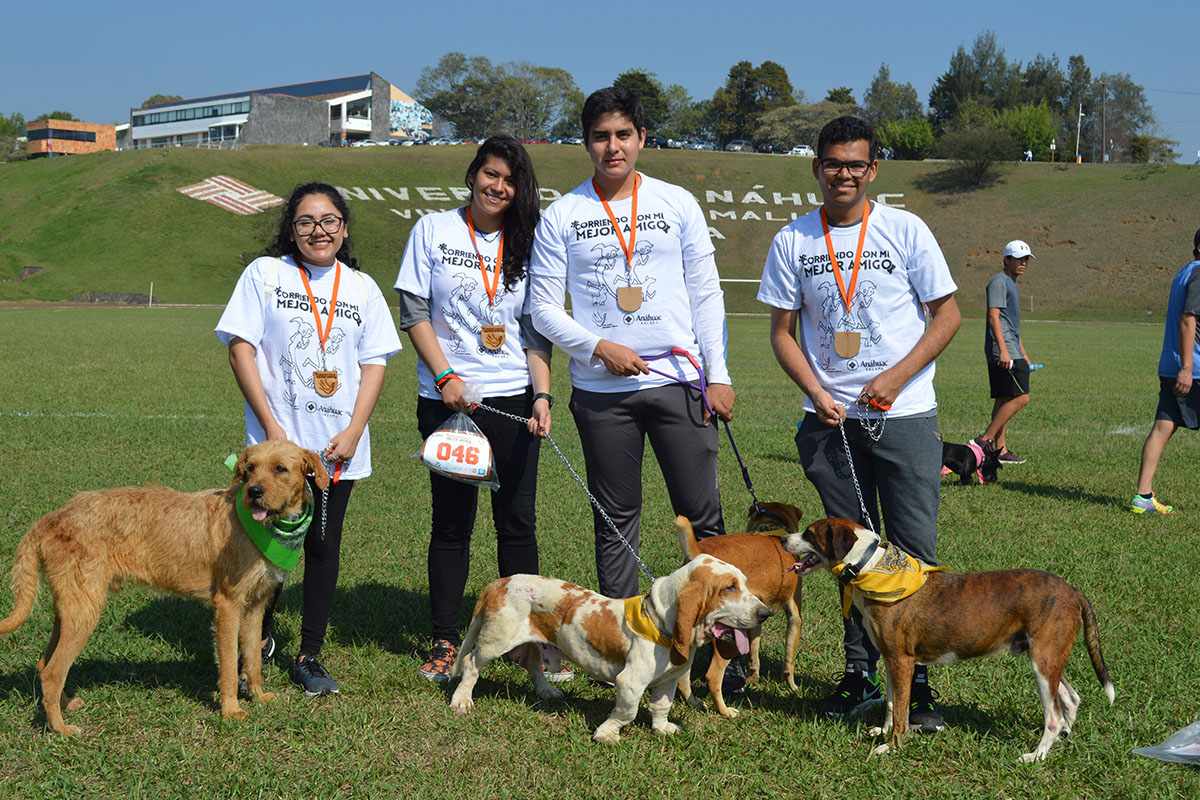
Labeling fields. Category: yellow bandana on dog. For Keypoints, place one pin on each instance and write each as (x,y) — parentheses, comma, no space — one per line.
(896,576)
(640,623)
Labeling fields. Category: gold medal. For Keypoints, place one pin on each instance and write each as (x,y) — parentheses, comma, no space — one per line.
(492,336)
(846,343)
(629,298)
(325,382)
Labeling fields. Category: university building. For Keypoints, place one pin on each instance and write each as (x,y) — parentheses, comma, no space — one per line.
(56,137)
(336,111)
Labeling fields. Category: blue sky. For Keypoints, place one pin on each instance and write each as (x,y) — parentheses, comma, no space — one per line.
(96,60)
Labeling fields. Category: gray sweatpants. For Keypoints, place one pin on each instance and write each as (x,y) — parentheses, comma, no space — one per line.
(613,427)
(900,475)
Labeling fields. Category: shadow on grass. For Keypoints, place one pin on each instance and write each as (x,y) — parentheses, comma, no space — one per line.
(957,180)
(1062,493)
(393,618)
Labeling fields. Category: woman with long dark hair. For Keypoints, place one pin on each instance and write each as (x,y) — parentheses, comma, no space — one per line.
(462,303)
(309,336)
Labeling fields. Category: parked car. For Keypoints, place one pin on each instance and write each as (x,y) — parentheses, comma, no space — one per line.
(679,144)
(767,147)
(739,146)
(703,146)
(802,150)
(657,142)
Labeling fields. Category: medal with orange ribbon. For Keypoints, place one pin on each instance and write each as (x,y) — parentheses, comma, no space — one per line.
(492,336)
(846,343)
(629,297)
(325,382)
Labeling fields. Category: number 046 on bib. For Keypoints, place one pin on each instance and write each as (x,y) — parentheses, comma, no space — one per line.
(459,450)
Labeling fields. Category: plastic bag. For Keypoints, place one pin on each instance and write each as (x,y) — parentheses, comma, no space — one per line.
(460,451)
(1182,746)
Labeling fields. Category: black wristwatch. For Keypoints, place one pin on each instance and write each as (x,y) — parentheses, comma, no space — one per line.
(542,395)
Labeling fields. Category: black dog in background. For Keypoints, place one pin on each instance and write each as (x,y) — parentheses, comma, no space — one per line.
(965,460)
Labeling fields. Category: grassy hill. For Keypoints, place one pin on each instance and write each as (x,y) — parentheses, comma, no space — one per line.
(1108,238)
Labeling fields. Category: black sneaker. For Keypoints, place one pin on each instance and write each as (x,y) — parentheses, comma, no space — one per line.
(923,715)
(856,691)
(734,682)
(311,677)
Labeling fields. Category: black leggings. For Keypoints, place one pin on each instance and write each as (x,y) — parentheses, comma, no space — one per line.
(321,564)
(454,504)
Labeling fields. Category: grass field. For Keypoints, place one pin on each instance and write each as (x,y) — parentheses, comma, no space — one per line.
(101,397)
(1108,239)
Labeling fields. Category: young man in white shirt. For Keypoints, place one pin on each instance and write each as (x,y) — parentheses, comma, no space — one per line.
(635,255)
(857,278)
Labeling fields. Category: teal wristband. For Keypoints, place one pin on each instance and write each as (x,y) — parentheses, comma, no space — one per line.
(444,374)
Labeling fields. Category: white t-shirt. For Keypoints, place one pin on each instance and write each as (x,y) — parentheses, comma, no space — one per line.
(441,265)
(902,268)
(270,310)
(576,250)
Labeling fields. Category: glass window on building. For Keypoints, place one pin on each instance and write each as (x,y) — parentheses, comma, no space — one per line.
(359,109)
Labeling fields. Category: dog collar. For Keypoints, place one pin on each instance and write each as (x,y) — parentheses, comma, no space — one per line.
(639,621)
(849,572)
(281,541)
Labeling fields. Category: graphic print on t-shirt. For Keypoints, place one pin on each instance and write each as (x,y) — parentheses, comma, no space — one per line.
(610,273)
(467,308)
(835,317)
(304,356)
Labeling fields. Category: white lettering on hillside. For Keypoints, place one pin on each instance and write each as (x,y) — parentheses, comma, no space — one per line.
(720,204)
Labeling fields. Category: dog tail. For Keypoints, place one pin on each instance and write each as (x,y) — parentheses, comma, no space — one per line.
(687,538)
(24,583)
(1091,638)
(468,643)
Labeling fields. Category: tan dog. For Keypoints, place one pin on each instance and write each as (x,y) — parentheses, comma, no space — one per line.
(762,558)
(192,544)
(953,617)
(702,598)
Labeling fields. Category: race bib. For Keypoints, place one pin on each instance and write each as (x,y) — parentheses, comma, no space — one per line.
(463,455)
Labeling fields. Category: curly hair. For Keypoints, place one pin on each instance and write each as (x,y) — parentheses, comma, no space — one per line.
(843,130)
(522,216)
(284,244)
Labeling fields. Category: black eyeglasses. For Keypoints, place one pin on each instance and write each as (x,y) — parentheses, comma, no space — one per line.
(857,169)
(306,225)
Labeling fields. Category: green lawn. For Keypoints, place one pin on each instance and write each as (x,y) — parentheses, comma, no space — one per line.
(100,397)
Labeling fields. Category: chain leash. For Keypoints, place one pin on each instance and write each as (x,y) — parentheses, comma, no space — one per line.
(612,526)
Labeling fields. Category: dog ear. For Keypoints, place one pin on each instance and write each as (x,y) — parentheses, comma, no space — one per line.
(239,469)
(688,607)
(316,468)
(841,538)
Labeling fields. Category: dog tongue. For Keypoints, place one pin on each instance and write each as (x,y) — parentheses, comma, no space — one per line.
(740,640)
(259,514)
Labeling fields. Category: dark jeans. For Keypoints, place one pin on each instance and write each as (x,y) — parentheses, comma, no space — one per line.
(515,452)
(900,475)
(322,560)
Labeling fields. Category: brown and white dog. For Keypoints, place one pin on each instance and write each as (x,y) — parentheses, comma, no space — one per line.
(759,554)
(189,543)
(700,599)
(954,617)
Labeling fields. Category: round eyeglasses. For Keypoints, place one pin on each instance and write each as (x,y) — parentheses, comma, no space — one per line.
(306,225)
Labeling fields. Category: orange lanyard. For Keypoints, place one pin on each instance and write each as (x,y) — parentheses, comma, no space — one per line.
(312,301)
(837,270)
(491,290)
(617,228)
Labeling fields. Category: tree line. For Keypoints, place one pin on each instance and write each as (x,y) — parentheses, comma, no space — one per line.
(982,101)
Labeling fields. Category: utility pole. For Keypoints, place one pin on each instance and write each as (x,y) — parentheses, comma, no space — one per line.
(1078,122)
(1103,132)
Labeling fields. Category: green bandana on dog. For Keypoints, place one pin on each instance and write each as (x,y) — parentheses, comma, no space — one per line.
(281,542)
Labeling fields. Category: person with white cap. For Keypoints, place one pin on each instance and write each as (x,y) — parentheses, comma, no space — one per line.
(1008,363)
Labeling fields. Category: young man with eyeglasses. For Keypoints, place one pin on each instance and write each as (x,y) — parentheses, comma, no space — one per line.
(870,290)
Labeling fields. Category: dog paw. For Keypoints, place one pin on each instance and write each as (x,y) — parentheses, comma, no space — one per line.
(878,731)
(668,729)
(549,692)
(234,713)
(1029,758)
(729,713)
(462,705)
(879,750)
(68,730)
(265,697)
(74,704)
(605,734)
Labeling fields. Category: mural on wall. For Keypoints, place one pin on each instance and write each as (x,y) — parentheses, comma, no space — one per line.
(410,118)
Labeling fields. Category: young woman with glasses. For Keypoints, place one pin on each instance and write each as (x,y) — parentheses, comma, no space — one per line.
(309,336)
